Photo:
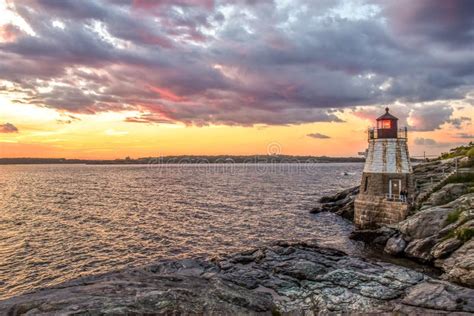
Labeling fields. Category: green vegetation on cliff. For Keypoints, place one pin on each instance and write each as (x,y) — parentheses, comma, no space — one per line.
(461,151)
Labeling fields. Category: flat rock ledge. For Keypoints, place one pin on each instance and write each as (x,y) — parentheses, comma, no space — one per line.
(281,279)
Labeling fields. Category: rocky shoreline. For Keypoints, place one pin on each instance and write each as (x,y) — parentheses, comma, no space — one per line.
(439,231)
(284,278)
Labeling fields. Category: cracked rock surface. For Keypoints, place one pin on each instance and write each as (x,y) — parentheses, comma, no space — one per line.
(283,278)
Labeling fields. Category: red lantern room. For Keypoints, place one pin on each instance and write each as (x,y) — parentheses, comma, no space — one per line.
(387,126)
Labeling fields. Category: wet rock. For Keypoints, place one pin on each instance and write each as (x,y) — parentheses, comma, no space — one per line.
(341,203)
(340,195)
(460,265)
(294,278)
(395,245)
(377,237)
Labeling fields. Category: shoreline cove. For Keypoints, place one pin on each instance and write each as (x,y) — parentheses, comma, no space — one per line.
(283,278)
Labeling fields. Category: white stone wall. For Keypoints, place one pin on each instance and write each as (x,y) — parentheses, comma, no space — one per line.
(388,156)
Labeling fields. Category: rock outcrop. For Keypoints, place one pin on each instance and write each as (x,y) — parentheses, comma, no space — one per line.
(448,193)
(341,203)
(460,265)
(437,235)
(299,278)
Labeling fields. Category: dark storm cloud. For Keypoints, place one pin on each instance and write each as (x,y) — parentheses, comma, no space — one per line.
(8,128)
(448,22)
(241,62)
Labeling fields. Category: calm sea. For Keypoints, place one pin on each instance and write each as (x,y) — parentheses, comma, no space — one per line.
(59,222)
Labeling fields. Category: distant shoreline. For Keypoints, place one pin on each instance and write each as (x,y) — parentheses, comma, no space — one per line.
(261,159)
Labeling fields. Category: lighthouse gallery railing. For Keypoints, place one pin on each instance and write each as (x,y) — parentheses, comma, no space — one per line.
(372,133)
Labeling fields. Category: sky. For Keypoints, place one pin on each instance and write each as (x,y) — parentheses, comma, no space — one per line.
(113,78)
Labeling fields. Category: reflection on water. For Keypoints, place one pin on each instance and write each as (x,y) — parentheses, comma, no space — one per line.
(59,222)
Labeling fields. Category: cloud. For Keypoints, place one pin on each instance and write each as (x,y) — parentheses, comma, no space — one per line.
(430,117)
(465,135)
(458,121)
(429,142)
(9,33)
(425,142)
(8,128)
(426,116)
(243,62)
(448,22)
(318,136)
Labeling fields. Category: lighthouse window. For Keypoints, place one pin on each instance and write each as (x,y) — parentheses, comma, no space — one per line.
(386,124)
(366,184)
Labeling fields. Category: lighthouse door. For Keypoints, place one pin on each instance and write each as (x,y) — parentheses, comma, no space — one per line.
(395,186)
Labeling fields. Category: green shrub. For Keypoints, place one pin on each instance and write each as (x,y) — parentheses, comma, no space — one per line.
(460,178)
(453,216)
(465,234)
(460,151)
(470,153)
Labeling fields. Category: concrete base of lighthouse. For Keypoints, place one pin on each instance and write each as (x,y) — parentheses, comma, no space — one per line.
(375,211)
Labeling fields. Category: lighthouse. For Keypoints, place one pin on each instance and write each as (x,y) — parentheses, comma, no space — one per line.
(387,182)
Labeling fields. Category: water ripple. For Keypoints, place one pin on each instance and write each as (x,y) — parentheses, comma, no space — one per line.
(61,222)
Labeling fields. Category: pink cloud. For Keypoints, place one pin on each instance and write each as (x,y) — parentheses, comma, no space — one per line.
(166,94)
(9,33)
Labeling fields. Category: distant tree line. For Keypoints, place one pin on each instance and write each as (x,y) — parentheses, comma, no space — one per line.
(187,160)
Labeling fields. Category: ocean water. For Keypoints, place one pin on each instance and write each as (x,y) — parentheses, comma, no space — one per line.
(60,222)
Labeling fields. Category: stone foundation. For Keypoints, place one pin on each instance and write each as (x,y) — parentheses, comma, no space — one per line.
(375,211)
(375,184)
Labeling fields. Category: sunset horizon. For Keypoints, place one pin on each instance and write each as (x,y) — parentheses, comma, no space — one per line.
(190,77)
(236,157)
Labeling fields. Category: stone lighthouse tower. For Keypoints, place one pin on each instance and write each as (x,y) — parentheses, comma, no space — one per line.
(386,187)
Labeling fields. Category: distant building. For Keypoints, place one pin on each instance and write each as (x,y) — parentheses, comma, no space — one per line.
(387,183)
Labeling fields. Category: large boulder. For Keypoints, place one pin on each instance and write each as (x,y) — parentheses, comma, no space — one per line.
(445,247)
(420,249)
(395,245)
(448,193)
(424,223)
(434,295)
(459,266)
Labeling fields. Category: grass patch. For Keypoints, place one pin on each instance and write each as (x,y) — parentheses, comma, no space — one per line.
(453,216)
(465,234)
(275,312)
(450,234)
